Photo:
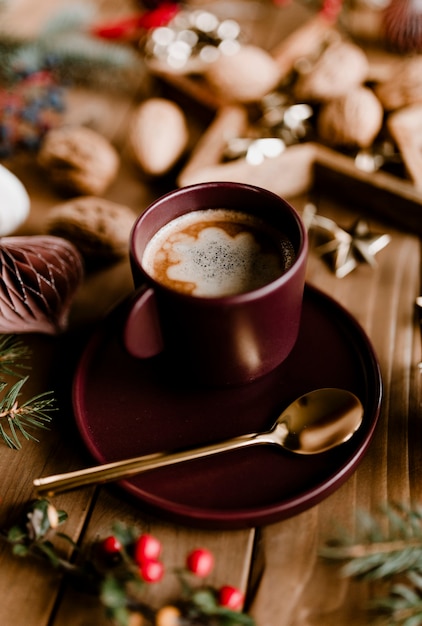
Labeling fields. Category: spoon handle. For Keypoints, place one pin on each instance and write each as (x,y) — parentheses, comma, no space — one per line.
(118,470)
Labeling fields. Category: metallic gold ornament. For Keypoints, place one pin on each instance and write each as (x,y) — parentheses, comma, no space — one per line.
(345,249)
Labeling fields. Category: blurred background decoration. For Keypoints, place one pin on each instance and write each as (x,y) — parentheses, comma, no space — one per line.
(73,48)
(36,71)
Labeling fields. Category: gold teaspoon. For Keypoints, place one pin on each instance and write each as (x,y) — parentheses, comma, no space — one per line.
(315,422)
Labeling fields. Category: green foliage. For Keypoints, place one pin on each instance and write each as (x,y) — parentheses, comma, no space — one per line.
(113,597)
(393,555)
(18,420)
(204,603)
(116,578)
(127,535)
(14,355)
(66,47)
(30,536)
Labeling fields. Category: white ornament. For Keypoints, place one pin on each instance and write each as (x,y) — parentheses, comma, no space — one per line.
(14,202)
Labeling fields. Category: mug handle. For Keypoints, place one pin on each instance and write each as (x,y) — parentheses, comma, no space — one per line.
(142,336)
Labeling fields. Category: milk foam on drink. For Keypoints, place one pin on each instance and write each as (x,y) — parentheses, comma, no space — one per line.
(217,252)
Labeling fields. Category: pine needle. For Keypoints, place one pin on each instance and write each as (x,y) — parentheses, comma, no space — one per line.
(13,354)
(70,18)
(378,555)
(18,421)
(66,46)
(83,60)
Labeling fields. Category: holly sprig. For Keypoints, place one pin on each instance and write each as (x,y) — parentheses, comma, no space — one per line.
(393,556)
(18,419)
(119,567)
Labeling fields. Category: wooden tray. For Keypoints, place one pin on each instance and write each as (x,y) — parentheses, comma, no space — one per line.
(303,167)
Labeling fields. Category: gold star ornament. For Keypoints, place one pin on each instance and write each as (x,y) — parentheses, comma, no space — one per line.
(344,249)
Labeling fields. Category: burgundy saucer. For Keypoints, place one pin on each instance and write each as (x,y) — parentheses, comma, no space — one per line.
(126,407)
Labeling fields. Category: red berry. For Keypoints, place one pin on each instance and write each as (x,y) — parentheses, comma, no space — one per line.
(152,570)
(113,30)
(160,16)
(331,8)
(200,562)
(129,27)
(111,545)
(147,547)
(231,597)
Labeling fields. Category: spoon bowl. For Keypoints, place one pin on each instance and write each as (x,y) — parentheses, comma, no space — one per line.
(319,420)
(314,423)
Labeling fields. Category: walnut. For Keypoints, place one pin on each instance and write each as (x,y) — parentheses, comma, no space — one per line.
(158,135)
(404,87)
(246,76)
(79,159)
(97,227)
(351,120)
(341,67)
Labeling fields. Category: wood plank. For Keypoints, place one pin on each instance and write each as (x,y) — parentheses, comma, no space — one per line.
(31,603)
(382,299)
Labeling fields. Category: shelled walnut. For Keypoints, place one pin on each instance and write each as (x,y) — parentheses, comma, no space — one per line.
(352,120)
(97,227)
(341,67)
(78,159)
(404,87)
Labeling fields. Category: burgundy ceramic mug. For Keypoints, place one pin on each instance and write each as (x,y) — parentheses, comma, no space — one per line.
(220,272)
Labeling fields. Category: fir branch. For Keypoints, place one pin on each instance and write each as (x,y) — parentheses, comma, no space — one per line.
(15,420)
(404,604)
(380,560)
(78,16)
(13,354)
(378,555)
(66,47)
(18,420)
(80,59)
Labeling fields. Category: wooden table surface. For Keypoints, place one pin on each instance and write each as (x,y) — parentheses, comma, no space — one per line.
(287,583)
